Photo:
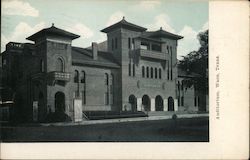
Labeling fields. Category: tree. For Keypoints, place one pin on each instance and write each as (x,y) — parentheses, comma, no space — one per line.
(197,62)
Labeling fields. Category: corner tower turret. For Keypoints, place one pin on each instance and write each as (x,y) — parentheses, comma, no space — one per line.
(53,46)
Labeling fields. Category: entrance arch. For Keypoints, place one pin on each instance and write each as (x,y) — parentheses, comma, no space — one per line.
(158,103)
(170,104)
(132,102)
(59,102)
(146,103)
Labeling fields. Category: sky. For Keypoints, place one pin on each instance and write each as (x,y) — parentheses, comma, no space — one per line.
(22,18)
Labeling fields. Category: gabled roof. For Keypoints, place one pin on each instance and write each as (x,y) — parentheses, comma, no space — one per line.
(52,31)
(163,33)
(83,56)
(124,24)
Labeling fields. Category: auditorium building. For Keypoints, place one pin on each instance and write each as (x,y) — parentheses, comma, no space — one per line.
(133,70)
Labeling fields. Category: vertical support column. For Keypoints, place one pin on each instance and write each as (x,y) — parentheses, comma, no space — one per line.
(139,104)
(165,104)
(77,110)
(152,105)
(175,105)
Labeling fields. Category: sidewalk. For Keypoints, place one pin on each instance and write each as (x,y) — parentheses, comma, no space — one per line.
(105,121)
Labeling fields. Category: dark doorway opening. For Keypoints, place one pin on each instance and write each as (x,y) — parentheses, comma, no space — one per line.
(59,102)
(158,103)
(133,102)
(146,103)
(170,104)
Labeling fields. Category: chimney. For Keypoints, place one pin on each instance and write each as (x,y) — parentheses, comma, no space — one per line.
(94,50)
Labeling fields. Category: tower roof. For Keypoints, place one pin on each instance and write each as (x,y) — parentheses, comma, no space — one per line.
(124,24)
(163,33)
(52,31)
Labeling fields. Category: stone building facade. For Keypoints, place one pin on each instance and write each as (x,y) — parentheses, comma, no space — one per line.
(135,70)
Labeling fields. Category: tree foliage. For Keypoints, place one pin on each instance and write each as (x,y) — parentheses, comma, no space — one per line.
(197,62)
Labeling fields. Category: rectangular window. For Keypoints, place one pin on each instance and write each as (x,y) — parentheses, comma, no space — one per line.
(182,101)
(116,43)
(168,70)
(195,101)
(133,43)
(155,73)
(83,97)
(147,72)
(112,44)
(129,69)
(133,70)
(198,101)
(178,100)
(171,65)
(129,43)
(160,73)
(112,91)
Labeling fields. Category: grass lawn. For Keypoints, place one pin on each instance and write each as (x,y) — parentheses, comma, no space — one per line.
(181,130)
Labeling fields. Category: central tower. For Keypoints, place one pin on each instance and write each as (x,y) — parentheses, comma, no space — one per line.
(120,41)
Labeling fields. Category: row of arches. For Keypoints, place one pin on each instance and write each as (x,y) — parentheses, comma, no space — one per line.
(146,103)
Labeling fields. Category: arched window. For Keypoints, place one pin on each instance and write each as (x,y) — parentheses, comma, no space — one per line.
(133,69)
(143,71)
(168,70)
(159,73)
(106,94)
(76,76)
(129,69)
(106,79)
(59,65)
(112,89)
(147,72)
(83,77)
(156,73)
(152,72)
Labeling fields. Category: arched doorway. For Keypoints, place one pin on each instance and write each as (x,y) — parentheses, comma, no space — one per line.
(158,103)
(146,103)
(59,102)
(170,104)
(132,102)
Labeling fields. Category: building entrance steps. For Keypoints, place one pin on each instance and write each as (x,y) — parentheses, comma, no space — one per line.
(168,115)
